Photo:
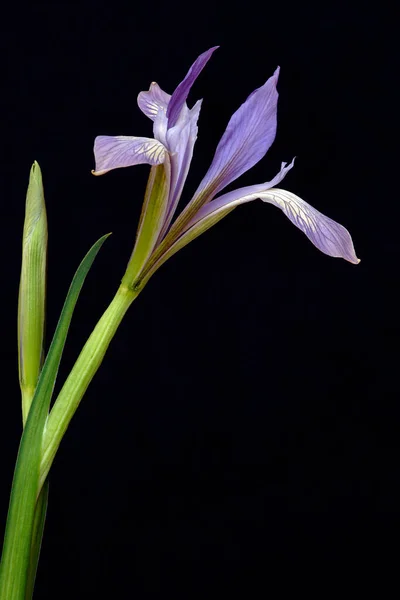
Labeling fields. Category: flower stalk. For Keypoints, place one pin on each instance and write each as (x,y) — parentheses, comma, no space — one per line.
(81,375)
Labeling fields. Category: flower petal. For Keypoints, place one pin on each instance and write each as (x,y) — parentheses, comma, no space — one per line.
(114,152)
(247,138)
(154,104)
(152,101)
(181,93)
(180,141)
(240,193)
(327,235)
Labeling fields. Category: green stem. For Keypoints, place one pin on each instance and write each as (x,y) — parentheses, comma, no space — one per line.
(81,375)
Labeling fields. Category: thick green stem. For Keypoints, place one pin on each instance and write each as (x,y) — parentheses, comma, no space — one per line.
(81,375)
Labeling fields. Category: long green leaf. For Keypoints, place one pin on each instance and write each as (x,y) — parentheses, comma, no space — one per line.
(37,534)
(15,561)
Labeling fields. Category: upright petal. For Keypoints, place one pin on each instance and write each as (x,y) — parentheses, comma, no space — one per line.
(181,93)
(160,127)
(152,101)
(154,104)
(180,142)
(115,152)
(247,138)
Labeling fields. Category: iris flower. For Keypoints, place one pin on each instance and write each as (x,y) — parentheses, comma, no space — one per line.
(248,136)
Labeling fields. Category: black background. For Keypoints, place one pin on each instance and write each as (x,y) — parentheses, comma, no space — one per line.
(243,428)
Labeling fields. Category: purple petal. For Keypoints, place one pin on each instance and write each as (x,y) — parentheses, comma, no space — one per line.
(152,101)
(180,142)
(181,93)
(154,104)
(114,152)
(327,235)
(247,138)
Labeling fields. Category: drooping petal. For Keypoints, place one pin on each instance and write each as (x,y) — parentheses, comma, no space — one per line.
(181,93)
(152,101)
(327,235)
(247,138)
(115,152)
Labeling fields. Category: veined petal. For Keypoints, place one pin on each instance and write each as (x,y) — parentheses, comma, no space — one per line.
(181,93)
(154,104)
(114,152)
(327,235)
(247,138)
(152,101)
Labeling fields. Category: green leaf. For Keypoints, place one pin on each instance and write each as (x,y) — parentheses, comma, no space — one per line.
(37,534)
(32,289)
(14,567)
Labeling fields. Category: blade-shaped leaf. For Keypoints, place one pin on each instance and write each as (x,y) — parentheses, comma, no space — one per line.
(15,560)
(37,534)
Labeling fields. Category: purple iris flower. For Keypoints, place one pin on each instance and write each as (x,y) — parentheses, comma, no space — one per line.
(248,136)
